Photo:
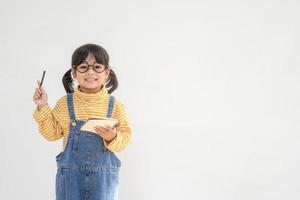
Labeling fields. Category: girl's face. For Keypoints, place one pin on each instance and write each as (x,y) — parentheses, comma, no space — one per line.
(91,81)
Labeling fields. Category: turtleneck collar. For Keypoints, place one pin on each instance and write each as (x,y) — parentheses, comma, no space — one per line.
(91,97)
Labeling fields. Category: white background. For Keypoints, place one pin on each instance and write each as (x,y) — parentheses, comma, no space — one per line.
(211,89)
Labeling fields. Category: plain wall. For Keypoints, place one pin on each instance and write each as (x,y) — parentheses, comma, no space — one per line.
(211,89)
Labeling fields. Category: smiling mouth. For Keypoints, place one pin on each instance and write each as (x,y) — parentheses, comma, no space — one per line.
(90,79)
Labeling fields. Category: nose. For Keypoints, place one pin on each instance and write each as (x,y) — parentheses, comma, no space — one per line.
(90,70)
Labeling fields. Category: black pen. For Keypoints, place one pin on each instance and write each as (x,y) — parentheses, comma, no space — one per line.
(41,83)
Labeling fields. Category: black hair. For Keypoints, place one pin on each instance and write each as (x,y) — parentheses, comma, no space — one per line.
(101,57)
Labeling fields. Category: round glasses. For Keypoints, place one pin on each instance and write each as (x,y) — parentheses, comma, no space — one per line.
(84,67)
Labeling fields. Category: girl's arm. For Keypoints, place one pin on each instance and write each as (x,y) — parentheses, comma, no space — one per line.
(48,122)
(123,137)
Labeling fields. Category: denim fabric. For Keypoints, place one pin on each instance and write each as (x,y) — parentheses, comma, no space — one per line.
(86,169)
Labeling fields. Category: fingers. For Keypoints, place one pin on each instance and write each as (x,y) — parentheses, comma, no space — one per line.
(37,94)
(108,128)
(101,130)
(40,95)
(41,88)
(104,132)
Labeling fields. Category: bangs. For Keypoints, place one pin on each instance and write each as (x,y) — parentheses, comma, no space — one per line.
(81,53)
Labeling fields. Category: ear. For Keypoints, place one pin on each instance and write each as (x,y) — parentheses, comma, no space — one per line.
(107,71)
(73,73)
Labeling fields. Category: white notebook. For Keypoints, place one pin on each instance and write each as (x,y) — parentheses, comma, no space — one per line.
(90,124)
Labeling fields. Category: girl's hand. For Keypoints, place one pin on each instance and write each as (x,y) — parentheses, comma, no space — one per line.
(40,96)
(107,133)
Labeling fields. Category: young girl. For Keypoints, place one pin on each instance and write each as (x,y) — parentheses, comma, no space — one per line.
(87,166)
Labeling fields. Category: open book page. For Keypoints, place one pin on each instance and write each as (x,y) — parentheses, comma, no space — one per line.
(90,124)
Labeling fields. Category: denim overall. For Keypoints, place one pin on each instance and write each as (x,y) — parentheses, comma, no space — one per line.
(86,169)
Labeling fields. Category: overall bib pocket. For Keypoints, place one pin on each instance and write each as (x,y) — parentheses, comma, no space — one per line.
(87,144)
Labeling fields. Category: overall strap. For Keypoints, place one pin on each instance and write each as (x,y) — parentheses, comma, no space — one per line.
(71,106)
(110,106)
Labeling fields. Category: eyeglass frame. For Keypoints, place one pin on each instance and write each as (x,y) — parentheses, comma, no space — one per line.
(88,67)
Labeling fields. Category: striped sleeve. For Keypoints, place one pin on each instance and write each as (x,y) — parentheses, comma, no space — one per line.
(123,137)
(48,121)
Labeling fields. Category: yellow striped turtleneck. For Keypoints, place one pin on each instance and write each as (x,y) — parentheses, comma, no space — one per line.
(53,124)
